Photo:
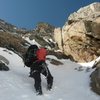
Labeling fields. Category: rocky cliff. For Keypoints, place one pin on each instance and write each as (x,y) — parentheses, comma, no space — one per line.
(80,36)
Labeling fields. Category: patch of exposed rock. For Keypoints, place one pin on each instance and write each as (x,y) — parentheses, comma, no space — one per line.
(95,78)
(3,67)
(3,64)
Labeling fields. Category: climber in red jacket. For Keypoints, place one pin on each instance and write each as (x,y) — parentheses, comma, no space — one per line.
(39,67)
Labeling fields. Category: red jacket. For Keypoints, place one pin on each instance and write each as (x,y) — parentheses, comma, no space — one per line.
(41,54)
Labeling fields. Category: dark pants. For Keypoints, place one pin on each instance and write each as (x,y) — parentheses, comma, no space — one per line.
(36,70)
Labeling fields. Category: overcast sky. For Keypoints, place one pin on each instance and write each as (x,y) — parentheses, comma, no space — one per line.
(27,13)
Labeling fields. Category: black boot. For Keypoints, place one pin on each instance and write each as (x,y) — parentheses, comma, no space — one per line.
(49,82)
(39,91)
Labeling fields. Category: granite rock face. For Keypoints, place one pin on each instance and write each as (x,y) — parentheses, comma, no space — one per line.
(80,36)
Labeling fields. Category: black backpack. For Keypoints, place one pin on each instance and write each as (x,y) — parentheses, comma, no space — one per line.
(30,55)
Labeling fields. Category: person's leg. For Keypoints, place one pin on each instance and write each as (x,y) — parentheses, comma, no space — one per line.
(46,72)
(49,82)
(37,77)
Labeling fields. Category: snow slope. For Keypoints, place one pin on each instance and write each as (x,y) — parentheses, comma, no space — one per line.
(69,83)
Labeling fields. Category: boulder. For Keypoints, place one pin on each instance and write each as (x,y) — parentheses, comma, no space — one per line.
(95,80)
(80,36)
(3,67)
(2,58)
(3,63)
